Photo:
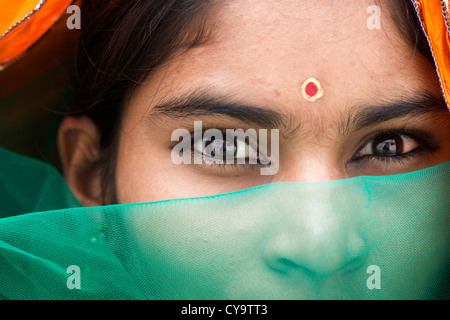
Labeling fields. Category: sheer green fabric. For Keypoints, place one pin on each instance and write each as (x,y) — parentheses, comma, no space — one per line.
(360,238)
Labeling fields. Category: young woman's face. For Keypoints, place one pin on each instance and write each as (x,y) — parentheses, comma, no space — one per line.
(259,55)
(377,116)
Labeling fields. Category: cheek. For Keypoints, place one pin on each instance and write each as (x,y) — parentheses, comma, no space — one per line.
(142,175)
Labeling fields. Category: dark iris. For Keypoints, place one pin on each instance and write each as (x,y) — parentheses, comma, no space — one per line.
(225,148)
(388,145)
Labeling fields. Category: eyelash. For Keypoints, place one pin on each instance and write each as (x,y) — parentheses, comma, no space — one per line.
(223,165)
(422,138)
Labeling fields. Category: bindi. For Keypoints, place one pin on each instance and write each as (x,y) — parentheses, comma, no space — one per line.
(312,89)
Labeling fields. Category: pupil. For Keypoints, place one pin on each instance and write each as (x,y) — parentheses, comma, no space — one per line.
(388,146)
(223,147)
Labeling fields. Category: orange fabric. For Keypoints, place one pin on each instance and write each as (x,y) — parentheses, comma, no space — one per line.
(53,50)
(46,52)
(22,34)
(433,13)
(13,11)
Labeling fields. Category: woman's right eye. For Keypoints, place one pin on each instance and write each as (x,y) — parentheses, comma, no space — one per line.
(221,151)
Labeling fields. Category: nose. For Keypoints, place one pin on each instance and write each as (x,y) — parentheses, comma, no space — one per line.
(319,234)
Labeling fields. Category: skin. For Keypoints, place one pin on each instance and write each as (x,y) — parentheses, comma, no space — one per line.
(259,55)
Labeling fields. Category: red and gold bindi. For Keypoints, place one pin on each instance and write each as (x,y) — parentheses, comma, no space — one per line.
(312,89)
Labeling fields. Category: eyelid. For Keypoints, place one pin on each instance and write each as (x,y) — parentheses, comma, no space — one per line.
(252,140)
(421,136)
(367,149)
(428,144)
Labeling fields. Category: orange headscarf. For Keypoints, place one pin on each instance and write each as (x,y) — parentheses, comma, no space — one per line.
(435,18)
(24,22)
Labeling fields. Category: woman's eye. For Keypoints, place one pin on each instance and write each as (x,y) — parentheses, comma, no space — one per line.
(219,148)
(221,151)
(389,145)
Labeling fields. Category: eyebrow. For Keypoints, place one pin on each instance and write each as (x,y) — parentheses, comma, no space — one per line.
(423,103)
(197,104)
(202,104)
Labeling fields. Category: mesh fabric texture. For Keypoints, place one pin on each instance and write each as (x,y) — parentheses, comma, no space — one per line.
(277,241)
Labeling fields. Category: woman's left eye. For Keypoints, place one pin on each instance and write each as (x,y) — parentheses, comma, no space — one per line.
(389,145)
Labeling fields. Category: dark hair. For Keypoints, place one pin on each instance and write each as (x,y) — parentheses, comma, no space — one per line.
(123,41)
(405,18)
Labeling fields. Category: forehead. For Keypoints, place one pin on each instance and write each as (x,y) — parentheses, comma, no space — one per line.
(260,52)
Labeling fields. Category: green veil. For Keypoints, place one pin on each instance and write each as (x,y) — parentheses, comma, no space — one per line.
(360,238)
